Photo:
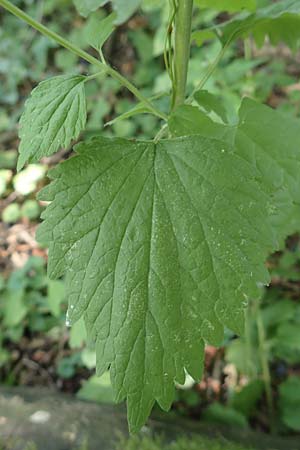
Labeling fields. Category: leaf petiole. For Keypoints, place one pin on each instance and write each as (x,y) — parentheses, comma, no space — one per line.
(95,75)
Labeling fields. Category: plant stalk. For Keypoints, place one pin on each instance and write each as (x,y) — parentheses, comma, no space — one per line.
(183,24)
(81,54)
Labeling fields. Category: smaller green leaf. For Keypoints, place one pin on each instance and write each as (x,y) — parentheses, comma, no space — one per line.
(54,114)
(99,32)
(211,103)
(279,21)
(187,120)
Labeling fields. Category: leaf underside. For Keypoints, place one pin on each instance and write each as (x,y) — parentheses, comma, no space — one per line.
(162,244)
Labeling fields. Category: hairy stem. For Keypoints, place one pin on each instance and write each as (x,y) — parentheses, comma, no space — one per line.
(82,54)
(183,23)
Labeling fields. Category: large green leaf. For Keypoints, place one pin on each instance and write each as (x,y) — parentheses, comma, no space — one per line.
(279,21)
(266,139)
(54,114)
(162,245)
(99,32)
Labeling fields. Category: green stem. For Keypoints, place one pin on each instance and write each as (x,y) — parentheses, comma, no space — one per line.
(161,133)
(81,53)
(212,67)
(183,24)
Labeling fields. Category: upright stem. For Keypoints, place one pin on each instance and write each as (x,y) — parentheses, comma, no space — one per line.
(82,54)
(183,23)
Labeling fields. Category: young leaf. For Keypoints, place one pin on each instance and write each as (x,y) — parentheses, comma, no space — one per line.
(99,32)
(54,114)
(187,120)
(211,103)
(227,5)
(279,21)
(162,245)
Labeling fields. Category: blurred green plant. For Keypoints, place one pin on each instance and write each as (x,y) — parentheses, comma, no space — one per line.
(234,76)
